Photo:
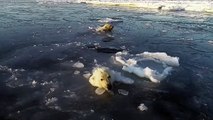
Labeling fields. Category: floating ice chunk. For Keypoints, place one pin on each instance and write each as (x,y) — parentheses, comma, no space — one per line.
(91,28)
(52,89)
(210,41)
(87,75)
(69,94)
(118,57)
(116,76)
(92,111)
(153,75)
(78,65)
(161,57)
(99,91)
(95,61)
(57,107)
(51,100)
(176,8)
(76,72)
(164,31)
(123,92)
(57,45)
(34,83)
(109,20)
(18,111)
(131,64)
(142,107)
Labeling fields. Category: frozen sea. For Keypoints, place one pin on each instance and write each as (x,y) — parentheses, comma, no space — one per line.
(42,42)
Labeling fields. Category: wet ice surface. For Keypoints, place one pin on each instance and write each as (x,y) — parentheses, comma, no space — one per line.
(40,43)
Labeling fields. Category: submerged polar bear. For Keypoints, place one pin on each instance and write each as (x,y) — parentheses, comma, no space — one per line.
(105,28)
(103,79)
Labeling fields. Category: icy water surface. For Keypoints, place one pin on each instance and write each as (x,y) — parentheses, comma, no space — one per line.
(40,43)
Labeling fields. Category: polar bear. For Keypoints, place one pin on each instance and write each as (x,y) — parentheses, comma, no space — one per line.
(105,28)
(103,79)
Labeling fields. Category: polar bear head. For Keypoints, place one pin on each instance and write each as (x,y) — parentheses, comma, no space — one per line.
(101,78)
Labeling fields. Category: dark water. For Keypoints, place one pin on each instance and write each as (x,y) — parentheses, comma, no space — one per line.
(39,43)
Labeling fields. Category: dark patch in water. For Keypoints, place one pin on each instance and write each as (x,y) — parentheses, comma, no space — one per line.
(107,39)
(108,50)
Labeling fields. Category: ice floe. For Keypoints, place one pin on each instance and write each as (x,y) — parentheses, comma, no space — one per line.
(155,66)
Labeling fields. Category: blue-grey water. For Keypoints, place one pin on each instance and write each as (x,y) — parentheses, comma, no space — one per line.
(39,43)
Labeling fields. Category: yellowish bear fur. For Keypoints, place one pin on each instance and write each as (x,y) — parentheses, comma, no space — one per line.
(101,78)
(105,28)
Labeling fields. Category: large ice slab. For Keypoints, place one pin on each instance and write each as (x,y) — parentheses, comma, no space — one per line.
(155,66)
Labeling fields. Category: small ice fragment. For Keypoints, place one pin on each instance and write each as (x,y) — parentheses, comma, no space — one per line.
(57,108)
(52,89)
(34,83)
(78,65)
(90,28)
(95,61)
(210,41)
(57,45)
(123,92)
(99,91)
(106,20)
(164,31)
(118,77)
(60,59)
(22,70)
(51,100)
(96,44)
(87,75)
(123,47)
(76,72)
(109,20)
(92,111)
(142,107)
(44,83)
